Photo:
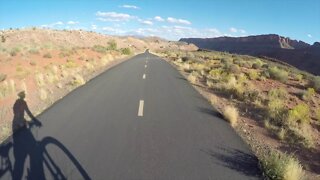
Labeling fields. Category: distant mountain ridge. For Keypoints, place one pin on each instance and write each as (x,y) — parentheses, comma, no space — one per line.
(297,53)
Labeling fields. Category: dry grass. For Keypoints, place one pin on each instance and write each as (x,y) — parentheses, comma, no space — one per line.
(281,166)
(78,80)
(299,114)
(231,114)
(276,105)
(318,114)
(192,78)
(40,79)
(213,99)
(43,94)
(293,170)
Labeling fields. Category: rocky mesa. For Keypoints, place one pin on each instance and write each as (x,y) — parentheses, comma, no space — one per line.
(296,53)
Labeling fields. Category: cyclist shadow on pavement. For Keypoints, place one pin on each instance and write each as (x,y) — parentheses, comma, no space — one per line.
(24,143)
(30,155)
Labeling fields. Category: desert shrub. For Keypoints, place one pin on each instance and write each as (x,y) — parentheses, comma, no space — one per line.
(33,63)
(198,67)
(281,166)
(245,64)
(318,114)
(213,99)
(308,94)
(12,86)
(276,111)
(192,77)
(237,61)
(125,51)
(185,58)
(47,55)
(21,72)
(251,95)
(3,39)
(299,136)
(298,77)
(232,68)
(210,83)
(253,74)
(265,66)
(43,94)
(265,73)
(215,73)
(106,59)
(227,60)
(2,77)
(242,78)
(99,49)
(70,64)
(256,66)
(315,83)
(14,51)
(279,93)
(19,69)
(34,51)
(231,114)
(78,80)
(281,134)
(275,107)
(299,114)
(40,79)
(112,45)
(278,74)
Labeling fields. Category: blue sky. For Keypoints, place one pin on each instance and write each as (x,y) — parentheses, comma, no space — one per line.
(170,19)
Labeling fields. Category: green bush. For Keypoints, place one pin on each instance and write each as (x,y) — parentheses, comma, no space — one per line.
(308,94)
(298,77)
(299,114)
(257,64)
(281,166)
(253,75)
(276,111)
(275,108)
(126,51)
(279,93)
(112,45)
(278,74)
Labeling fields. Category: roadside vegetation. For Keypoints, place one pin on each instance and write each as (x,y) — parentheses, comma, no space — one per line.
(252,94)
(46,73)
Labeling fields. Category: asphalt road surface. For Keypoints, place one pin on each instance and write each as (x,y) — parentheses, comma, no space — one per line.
(139,120)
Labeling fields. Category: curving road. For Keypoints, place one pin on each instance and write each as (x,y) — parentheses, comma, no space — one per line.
(140,120)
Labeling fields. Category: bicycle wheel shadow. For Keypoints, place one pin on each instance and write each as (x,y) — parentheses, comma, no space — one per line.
(28,156)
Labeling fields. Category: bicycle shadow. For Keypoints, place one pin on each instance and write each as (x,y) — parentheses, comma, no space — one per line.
(29,156)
